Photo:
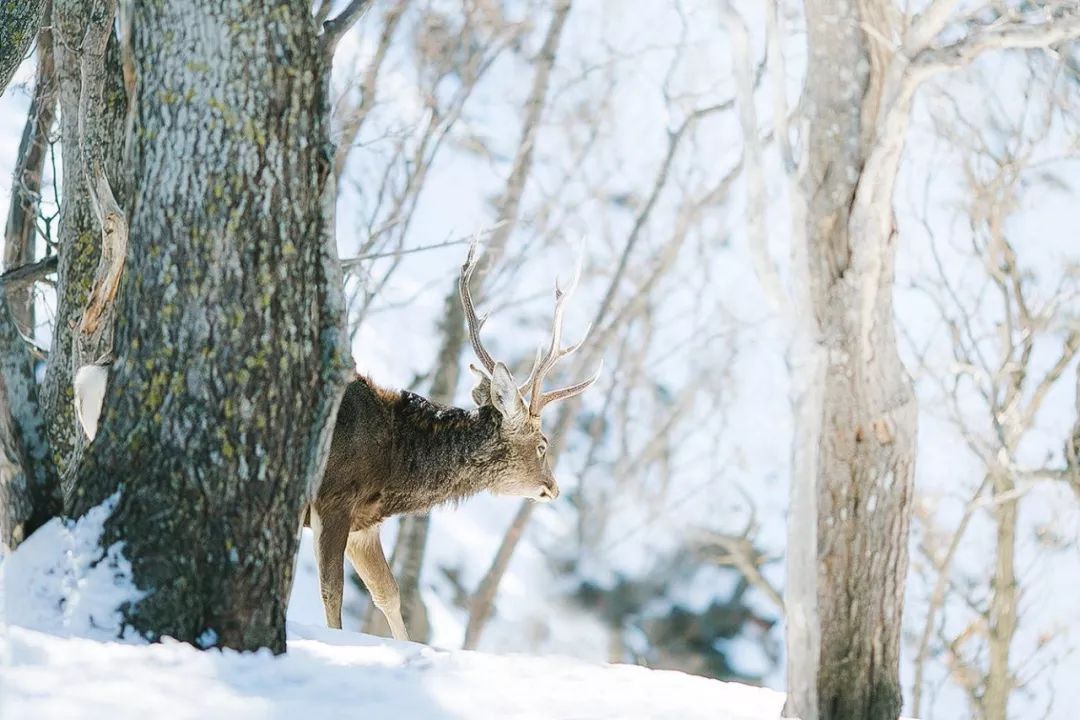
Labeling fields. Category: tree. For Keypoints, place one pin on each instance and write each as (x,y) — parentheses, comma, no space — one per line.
(218,265)
(29,483)
(865,65)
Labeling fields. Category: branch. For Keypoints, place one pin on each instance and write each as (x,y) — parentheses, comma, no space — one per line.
(738,551)
(95,328)
(20,277)
(335,29)
(1016,36)
(753,162)
(928,24)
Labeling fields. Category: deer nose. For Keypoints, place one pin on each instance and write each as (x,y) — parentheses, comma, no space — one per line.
(550,491)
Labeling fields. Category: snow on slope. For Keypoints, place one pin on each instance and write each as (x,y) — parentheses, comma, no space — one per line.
(60,592)
(332,673)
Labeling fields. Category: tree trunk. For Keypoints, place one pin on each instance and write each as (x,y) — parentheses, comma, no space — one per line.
(19,23)
(1003,597)
(230,359)
(79,236)
(29,487)
(868,414)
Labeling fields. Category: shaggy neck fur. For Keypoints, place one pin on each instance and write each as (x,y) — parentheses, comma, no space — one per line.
(448,453)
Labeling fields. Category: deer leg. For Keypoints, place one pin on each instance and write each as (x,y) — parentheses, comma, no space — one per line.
(331,535)
(366,555)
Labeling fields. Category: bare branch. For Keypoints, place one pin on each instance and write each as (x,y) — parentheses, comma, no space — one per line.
(998,37)
(24,275)
(335,28)
(927,24)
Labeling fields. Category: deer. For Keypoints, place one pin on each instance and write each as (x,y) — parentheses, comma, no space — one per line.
(394,452)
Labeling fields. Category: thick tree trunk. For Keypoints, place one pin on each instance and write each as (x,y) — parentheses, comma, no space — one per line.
(229,338)
(868,414)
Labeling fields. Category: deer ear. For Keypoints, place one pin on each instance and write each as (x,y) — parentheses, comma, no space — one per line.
(481,391)
(505,396)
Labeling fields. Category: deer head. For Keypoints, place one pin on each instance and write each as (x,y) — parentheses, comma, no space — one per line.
(525,471)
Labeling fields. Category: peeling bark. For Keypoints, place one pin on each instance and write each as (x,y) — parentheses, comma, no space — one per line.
(79,231)
(230,360)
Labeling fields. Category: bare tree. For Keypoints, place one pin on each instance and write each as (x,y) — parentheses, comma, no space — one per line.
(413,531)
(866,62)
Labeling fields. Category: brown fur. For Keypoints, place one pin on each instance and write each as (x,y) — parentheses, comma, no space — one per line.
(394,452)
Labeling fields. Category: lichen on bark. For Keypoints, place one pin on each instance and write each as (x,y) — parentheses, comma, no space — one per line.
(230,358)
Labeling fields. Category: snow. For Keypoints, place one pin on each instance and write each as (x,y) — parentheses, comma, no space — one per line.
(334,673)
(60,581)
(61,660)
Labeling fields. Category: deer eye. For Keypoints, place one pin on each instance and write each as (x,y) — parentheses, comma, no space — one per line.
(541,449)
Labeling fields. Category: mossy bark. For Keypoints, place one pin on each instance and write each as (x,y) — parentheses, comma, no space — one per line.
(19,23)
(79,234)
(230,359)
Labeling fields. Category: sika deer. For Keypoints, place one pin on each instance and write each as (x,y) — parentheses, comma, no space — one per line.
(394,452)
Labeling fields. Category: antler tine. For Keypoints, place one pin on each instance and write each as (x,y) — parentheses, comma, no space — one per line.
(524,387)
(470,311)
(555,352)
(570,390)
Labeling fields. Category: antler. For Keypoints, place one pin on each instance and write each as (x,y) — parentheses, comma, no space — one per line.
(543,365)
(544,362)
(470,311)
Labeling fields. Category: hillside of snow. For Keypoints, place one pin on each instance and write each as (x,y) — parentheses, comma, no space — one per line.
(59,661)
(331,673)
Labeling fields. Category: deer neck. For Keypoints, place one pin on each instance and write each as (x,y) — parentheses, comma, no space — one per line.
(448,453)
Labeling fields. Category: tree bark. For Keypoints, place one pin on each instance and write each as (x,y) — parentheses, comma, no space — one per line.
(868,415)
(29,486)
(19,23)
(230,353)
(79,235)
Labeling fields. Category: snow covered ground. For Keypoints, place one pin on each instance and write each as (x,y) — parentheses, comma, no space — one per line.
(59,661)
(331,674)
